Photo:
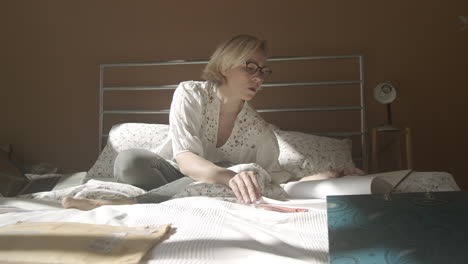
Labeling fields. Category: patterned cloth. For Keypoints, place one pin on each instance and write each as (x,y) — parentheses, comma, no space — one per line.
(194,122)
(95,189)
(267,187)
(92,189)
(428,182)
(194,125)
(306,154)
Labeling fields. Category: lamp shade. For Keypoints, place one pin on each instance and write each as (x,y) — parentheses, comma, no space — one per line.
(385,93)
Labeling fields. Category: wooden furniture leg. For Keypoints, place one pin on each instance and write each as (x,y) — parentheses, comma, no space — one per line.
(375,154)
(409,149)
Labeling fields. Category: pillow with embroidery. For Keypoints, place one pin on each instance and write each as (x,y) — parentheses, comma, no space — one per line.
(122,137)
(306,154)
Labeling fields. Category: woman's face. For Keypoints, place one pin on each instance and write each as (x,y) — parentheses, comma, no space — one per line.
(243,81)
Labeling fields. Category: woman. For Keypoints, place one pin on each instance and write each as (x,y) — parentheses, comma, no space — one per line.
(212,125)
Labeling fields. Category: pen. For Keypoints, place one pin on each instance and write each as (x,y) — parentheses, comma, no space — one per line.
(282,208)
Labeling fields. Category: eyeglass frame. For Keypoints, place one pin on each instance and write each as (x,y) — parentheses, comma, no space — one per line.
(263,74)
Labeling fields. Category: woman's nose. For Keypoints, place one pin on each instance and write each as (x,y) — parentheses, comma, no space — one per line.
(258,79)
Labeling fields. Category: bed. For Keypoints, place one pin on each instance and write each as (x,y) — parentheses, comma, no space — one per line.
(313,134)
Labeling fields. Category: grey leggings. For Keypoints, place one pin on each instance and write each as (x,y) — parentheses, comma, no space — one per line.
(147,170)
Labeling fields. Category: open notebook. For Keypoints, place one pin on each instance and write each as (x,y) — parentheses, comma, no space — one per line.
(372,183)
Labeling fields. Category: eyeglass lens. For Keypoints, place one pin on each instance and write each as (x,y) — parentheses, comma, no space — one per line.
(252,68)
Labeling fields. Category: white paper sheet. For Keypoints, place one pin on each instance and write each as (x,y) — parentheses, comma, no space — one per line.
(321,188)
(349,185)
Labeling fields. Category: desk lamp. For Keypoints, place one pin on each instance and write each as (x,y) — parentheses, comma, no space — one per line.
(385,93)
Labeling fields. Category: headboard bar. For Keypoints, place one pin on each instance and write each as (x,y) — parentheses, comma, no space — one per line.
(261,110)
(159,63)
(141,88)
(188,62)
(277,84)
(360,107)
(363,115)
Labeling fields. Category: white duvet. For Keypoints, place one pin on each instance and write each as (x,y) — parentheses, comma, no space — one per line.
(205,230)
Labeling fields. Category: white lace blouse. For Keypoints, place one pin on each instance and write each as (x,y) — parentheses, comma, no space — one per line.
(194,125)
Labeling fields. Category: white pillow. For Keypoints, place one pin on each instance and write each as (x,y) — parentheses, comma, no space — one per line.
(305,154)
(301,154)
(126,136)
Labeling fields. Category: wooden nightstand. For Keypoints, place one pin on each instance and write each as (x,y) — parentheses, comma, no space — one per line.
(391,149)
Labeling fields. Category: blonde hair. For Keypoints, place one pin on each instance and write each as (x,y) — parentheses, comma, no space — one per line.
(230,54)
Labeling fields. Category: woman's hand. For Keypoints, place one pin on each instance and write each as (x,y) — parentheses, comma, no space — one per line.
(336,173)
(245,186)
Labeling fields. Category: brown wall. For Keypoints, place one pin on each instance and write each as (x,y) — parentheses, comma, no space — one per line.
(51,50)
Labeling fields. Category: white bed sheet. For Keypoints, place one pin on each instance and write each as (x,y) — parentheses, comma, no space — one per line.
(207,230)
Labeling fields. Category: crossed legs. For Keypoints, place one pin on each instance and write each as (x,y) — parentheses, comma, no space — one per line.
(138,167)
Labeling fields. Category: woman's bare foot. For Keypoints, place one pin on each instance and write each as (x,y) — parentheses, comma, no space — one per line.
(336,173)
(89,204)
(321,176)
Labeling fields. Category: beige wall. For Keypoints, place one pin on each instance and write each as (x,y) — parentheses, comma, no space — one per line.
(51,50)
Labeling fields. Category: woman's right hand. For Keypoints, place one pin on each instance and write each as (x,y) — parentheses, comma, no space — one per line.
(245,186)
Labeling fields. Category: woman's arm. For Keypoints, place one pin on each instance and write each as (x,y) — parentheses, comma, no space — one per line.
(244,184)
(200,169)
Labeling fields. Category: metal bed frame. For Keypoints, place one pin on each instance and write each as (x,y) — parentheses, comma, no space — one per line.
(360,107)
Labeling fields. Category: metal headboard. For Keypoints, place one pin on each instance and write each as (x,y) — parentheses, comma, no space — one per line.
(360,107)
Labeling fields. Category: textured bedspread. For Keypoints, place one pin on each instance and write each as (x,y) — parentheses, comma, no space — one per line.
(205,230)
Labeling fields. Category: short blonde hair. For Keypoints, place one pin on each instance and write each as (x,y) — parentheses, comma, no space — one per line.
(230,54)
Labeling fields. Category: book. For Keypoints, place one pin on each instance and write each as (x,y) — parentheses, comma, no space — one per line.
(347,185)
